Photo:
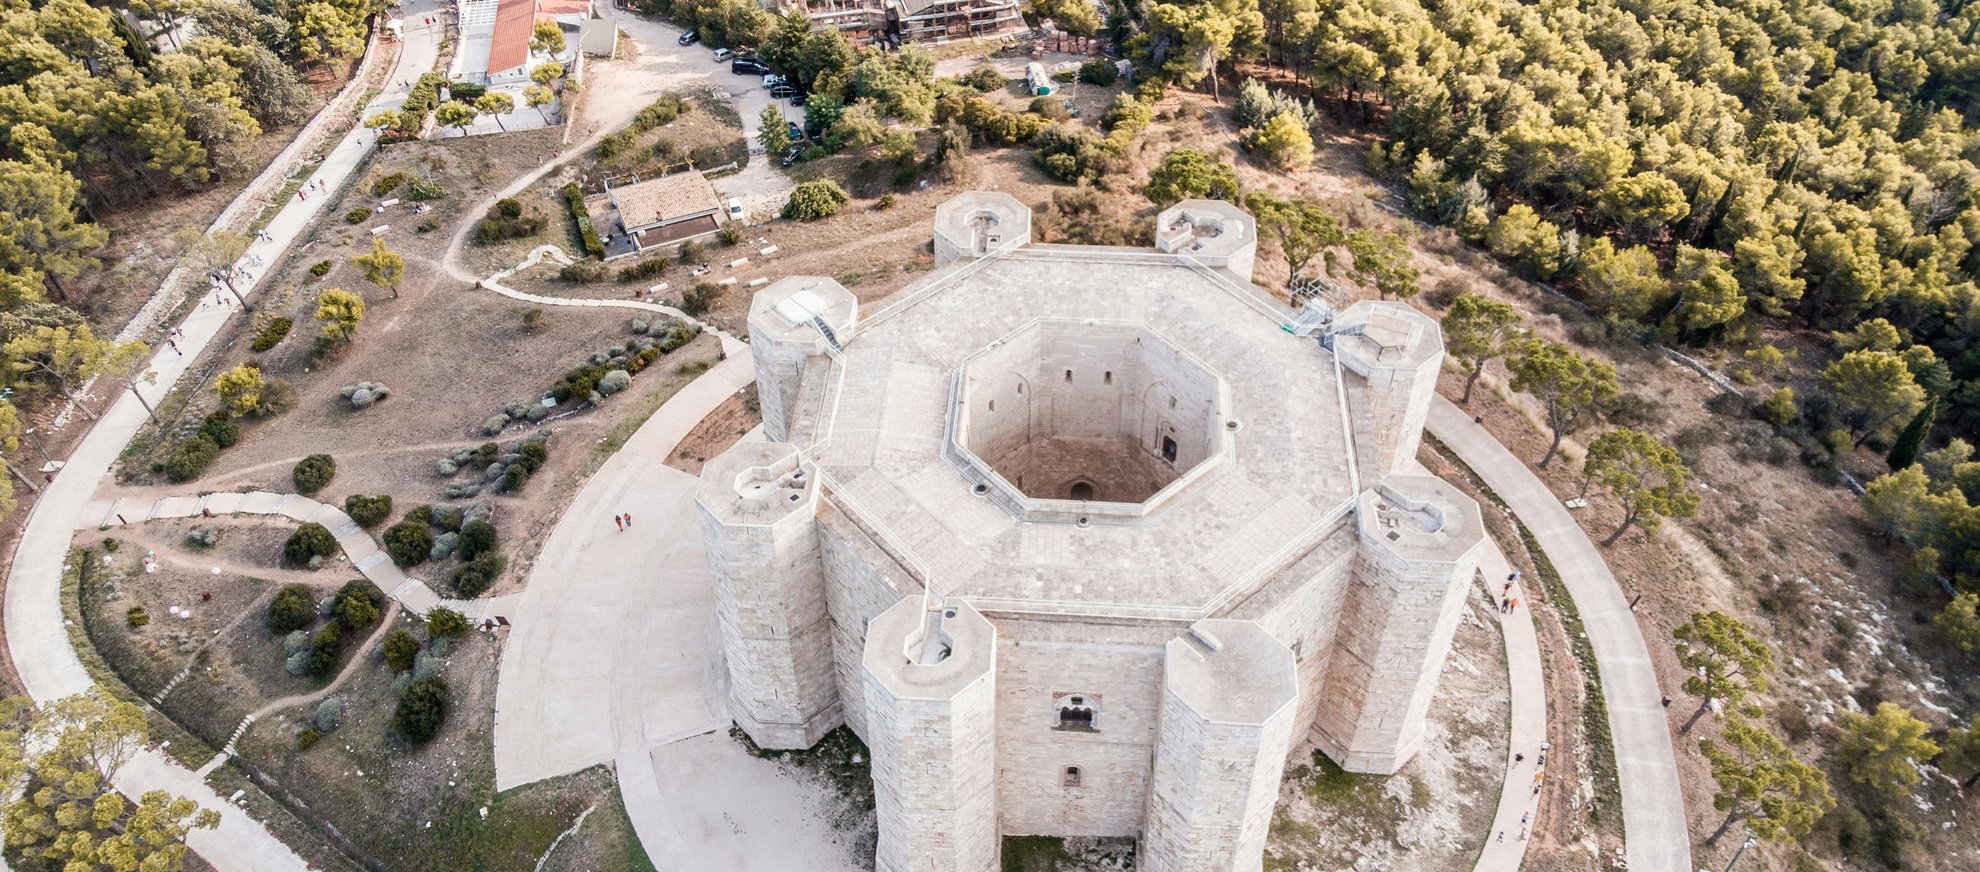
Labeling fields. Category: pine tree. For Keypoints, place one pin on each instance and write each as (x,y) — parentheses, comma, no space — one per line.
(1904,452)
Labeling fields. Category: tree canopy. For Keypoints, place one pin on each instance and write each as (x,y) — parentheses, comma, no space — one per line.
(56,761)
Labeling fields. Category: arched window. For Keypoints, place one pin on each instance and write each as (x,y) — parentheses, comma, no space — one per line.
(1077,714)
(1082,490)
(1071,778)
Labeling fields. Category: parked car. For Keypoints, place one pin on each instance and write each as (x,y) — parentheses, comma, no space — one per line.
(797,99)
(796,132)
(689,38)
(782,92)
(723,54)
(736,210)
(790,155)
(772,80)
(747,67)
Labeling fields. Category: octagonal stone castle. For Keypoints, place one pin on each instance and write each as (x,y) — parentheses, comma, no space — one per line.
(1086,541)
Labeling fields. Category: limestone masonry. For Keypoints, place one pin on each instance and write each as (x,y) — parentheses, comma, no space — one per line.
(1086,541)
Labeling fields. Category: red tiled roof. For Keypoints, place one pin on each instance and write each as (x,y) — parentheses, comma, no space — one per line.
(509,47)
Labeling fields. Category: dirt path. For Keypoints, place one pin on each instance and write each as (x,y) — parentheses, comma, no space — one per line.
(376,638)
(166,549)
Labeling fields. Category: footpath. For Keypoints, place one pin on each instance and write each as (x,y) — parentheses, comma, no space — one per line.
(37,632)
(1655,832)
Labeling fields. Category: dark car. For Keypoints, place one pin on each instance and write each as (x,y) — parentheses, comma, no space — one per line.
(783,91)
(747,67)
(796,132)
(689,38)
(790,155)
(797,99)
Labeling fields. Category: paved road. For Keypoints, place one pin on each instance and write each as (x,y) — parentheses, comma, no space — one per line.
(36,632)
(1529,723)
(1654,824)
(613,644)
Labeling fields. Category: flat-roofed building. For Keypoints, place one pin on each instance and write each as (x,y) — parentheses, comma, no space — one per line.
(663,211)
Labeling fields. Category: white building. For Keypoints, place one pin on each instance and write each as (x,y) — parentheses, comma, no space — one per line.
(1086,541)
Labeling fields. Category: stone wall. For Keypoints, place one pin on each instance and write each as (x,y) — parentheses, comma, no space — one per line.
(1302,608)
(1117,670)
(861,581)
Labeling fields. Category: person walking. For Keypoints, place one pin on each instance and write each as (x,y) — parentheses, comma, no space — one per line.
(628,520)
(619,522)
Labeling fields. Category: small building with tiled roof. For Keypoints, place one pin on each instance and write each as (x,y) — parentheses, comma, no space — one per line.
(665,210)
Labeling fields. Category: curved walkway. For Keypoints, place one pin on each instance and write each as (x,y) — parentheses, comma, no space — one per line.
(731,346)
(37,635)
(1529,723)
(1654,825)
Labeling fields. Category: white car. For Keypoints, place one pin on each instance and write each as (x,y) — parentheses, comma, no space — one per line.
(736,210)
(772,80)
(723,54)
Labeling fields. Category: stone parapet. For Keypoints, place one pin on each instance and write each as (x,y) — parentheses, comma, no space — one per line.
(1213,233)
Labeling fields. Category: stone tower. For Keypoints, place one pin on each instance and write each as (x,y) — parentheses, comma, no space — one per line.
(1229,696)
(1397,351)
(977,224)
(931,694)
(1212,233)
(1419,546)
(758,508)
(784,337)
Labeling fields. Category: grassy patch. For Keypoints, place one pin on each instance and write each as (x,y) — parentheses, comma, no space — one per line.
(615,438)
(1034,853)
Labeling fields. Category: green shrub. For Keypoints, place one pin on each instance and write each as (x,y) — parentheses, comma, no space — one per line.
(985,79)
(191,458)
(513,479)
(505,220)
(584,271)
(475,577)
(477,537)
(364,587)
(422,709)
(400,648)
(220,428)
(645,269)
(815,199)
(424,514)
(355,611)
(689,250)
(388,184)
(308,541)
(293,608)
(1099,71)
(730,234)
(358,215)
(421,189)
(409,542)
(679,336)
(445,623)
(137,617)
(368,512)
(587,234)
(322,268)
(313,472)
(465,92)
(698,301)
(271,335)
(533,456)
(307,739)
(324,648)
